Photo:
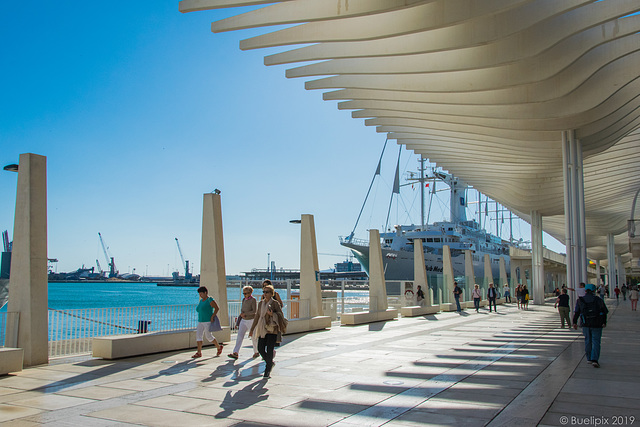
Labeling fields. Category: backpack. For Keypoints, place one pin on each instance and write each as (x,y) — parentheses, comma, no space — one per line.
(591,313)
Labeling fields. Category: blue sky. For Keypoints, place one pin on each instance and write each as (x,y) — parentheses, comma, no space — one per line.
(140,109)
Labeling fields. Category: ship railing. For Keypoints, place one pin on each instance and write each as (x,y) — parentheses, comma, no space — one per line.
(353,240)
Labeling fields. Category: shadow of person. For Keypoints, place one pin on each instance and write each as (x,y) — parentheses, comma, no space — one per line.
(249,395)
(175,369)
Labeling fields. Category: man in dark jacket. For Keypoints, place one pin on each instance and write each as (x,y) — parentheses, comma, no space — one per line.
(593,312)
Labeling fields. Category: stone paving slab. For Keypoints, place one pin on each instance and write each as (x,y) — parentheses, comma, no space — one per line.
(511,368)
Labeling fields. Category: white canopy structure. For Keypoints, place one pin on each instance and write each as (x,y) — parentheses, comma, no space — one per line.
(529,101)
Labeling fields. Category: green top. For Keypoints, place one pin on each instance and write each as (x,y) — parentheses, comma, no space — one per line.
(205,311)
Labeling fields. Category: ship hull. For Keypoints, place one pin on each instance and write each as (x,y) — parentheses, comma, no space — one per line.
(399,264)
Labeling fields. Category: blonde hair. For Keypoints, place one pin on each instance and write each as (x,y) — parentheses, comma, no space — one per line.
(268,288)
(247,288)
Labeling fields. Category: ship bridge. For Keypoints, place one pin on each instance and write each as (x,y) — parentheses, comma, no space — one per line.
(533,102)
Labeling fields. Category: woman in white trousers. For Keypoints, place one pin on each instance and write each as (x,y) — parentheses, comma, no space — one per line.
(247,313)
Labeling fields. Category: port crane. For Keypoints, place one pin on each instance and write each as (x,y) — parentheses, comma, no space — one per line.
(110,261)
(187,274)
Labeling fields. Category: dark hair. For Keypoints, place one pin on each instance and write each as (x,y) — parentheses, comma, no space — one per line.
(203,289)
(267,281)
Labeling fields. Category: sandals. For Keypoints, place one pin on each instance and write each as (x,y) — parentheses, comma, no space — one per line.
(195,356)
(256,355)
(233,355)
(219,350)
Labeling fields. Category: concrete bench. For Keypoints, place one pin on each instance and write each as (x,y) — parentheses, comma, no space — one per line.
(11,360)
(362,317)
(419,310)
(297,326)
(118,346)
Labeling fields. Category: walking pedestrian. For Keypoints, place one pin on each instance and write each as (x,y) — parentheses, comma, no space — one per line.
(245,320)
(476,297)
(507,293)
(420,296)
(492,294)
(624,291)
(633,296)
(616,291)
(602,291)
(562,302)
(519,296)
(456,295)
(592,312)
(269,321)
(525,297)
(207,311)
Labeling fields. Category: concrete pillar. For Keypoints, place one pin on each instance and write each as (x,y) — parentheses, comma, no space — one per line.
(212,270)
(377,285)
(513,265)
(309,271)
(488,274)
(468,271)
(503,273)
(420,272)
(447,274)
(28,287)
(598,281)
(537,259)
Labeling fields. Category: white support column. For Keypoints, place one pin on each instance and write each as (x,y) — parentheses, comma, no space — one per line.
(377,284)
(574,211)
(212,270)
(309,271)
(420,271)
(621,273)
(611,260)
(537,259)
(28,284)
(598,280)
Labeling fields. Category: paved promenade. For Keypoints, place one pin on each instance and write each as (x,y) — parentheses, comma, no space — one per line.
(511,368)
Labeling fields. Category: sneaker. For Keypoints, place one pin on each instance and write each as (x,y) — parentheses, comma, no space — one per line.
(595,364)
(589,362)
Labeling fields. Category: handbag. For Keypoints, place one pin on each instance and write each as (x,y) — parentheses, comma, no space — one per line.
(215,326)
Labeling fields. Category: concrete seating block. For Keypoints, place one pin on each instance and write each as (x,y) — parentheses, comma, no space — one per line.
(451,306)
(363,317)
(11,360)
(297,326)
(119,346)
(419,310)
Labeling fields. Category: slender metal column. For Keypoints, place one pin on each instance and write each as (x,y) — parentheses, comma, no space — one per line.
(537,260)
(582,226)
(622,275)
(611,258)
(566,174)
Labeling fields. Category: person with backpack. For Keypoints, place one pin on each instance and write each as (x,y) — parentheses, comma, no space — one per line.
(456,295)
(592,312)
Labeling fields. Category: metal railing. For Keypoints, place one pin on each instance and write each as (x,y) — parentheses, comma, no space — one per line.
(71,331)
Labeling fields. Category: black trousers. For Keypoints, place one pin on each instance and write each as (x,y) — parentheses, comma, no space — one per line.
(492,301)
(265,348)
